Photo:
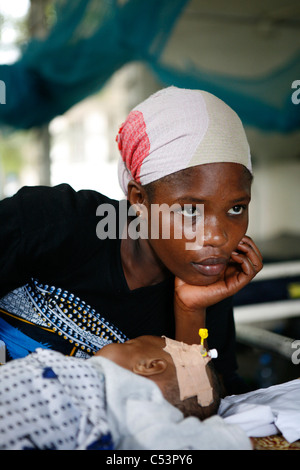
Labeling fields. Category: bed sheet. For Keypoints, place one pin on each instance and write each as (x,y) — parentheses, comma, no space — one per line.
(270,416)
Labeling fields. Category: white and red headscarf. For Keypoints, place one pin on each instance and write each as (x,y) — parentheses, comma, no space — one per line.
(175,129)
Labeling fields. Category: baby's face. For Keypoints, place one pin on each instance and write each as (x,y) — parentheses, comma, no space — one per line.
(128,353)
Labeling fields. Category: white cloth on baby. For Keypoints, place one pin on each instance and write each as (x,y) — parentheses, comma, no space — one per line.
(140,418)
(266,411)
(50,401)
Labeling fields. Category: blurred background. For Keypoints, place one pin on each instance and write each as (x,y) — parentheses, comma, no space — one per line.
(71,71)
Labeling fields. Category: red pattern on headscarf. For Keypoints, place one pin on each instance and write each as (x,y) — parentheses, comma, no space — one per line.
(134,143)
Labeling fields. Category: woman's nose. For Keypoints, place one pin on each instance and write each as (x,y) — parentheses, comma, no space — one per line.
(214,233)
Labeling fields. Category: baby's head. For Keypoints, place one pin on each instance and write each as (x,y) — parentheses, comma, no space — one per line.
(153,358)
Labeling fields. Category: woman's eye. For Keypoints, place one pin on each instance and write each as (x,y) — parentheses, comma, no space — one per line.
(190,211)
(237,210)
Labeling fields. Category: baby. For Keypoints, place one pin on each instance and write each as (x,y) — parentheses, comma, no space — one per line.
(162,361)
(50,401)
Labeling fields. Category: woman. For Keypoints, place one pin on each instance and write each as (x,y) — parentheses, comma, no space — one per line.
(67,284)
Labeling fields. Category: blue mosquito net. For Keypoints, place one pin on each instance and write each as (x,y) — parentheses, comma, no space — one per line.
(91,39)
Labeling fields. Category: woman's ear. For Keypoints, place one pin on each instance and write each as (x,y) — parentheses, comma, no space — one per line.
(150,367)
(135,193)
(138,200)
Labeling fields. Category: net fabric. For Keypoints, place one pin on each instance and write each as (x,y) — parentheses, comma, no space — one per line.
(91,39)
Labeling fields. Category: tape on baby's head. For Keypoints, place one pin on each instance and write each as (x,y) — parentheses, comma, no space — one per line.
(191,371)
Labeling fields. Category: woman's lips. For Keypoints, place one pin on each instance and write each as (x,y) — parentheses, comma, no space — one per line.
(211,266)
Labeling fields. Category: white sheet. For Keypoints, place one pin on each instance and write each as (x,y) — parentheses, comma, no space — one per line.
(266,411)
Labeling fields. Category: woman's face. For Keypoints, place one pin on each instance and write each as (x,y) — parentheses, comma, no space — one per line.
(224,190)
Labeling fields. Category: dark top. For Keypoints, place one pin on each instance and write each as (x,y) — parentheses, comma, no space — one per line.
(62,287)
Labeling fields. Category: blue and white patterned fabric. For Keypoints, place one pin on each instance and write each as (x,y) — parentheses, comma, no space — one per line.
(48,401)
(66,317)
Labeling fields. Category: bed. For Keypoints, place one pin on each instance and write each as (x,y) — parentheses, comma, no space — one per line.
(289,349)
(280,401)
(270,416)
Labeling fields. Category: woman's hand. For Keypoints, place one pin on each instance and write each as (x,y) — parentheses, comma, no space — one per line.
(242,268)
(190,302)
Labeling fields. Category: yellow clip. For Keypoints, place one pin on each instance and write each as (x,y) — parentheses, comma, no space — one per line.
(203,333)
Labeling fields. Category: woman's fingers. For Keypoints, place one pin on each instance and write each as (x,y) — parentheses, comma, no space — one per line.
(249,249)
(248,242)
(249,259)
(243,274)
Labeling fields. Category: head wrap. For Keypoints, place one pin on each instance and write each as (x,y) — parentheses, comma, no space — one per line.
(175,129)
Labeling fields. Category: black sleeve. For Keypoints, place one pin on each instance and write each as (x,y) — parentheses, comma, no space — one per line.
(11,269)
(221,329)
(45,229)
